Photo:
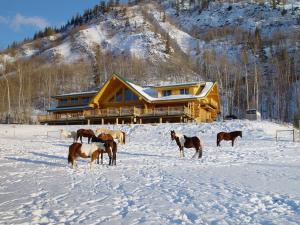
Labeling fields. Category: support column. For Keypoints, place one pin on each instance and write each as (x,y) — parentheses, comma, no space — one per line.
(102,121)
(141,121)
(88,122)
(117,120)
(160,120)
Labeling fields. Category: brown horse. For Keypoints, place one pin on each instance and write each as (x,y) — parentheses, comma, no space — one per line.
(85,133)
(88,151)
(107,138)
(102,138)
(228,136)
(187,142)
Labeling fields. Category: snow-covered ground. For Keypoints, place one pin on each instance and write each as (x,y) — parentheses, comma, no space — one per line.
(255,182)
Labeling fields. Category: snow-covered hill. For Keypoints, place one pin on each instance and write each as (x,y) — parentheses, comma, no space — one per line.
(134,31)
(255,182)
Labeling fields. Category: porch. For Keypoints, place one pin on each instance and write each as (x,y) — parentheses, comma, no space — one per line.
(120,115)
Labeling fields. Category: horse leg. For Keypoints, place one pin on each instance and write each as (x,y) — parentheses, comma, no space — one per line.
(218,142)
(195,154)
(200,152)
(232,142)
(182,152)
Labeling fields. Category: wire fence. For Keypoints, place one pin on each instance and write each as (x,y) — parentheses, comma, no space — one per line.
(285,135)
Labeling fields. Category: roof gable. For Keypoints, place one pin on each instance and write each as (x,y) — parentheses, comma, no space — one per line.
(149,94)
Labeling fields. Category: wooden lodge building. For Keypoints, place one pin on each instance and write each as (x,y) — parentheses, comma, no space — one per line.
(121,101)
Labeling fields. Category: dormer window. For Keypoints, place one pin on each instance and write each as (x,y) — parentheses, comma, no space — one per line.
(167,92)
(184,91)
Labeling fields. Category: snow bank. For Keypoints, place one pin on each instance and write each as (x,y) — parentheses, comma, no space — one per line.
(254,182)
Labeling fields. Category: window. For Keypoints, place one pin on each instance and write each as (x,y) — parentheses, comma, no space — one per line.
(184,91)
(119,96)
(130,96)
(63,101)
(85,100)
(167,92)
(74,100)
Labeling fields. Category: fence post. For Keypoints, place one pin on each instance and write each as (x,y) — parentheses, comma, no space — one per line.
(293,135)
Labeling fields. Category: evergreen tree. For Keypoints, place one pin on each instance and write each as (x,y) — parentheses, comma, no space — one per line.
(167,46)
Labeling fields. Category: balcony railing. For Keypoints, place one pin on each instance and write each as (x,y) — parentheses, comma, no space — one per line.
(115,112)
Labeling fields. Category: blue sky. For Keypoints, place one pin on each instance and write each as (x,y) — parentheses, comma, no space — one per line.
(22,18)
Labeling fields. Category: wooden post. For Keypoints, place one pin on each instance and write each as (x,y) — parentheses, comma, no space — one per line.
(102,121)
(122,121)
(88,122)
(293,135)
(160,120)
(141,121)
(181,119)
(117,120)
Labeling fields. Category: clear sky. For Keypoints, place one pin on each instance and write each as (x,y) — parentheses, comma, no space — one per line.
(22,18)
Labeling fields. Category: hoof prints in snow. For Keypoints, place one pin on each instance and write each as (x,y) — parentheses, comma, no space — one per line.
(256,181)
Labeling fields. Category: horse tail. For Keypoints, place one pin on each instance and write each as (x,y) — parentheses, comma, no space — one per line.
(123,137)
(69,158)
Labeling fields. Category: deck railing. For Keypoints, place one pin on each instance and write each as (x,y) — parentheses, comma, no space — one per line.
(115,112)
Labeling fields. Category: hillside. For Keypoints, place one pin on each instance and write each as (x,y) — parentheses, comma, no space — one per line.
(254,182)
(249,48)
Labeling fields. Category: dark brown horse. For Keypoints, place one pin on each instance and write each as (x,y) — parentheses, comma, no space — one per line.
(187,142)
(88,151)
(108,139)
(228,136)
(85,133)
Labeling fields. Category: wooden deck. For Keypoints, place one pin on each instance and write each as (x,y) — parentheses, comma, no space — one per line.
(116,113)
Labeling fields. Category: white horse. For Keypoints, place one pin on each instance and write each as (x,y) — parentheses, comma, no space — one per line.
(116,134)
(68,134)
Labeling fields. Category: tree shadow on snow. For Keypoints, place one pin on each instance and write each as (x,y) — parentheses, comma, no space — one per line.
(36,162)
(49,156)
(54,156)
(144,154)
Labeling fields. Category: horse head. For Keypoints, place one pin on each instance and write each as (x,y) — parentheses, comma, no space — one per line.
(240,133)
(94,138)
(173,135)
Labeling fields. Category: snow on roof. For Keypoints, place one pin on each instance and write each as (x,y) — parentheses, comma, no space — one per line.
(175,85)
(208,86)
(68,108)
(145,92)
(76,94)
(150,94)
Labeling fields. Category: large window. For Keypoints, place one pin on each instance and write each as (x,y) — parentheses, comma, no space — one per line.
(74,100)
(119,96)
(184,91)
(167,92)
(130,96)
(85,100)
(63,101)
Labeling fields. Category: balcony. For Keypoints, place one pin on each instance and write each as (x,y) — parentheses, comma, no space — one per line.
(117,112)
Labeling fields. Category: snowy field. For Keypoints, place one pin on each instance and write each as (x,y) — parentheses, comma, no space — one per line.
(255,182)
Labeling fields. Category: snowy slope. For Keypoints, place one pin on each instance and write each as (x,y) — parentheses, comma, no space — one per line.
(140,40)
(255,182)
